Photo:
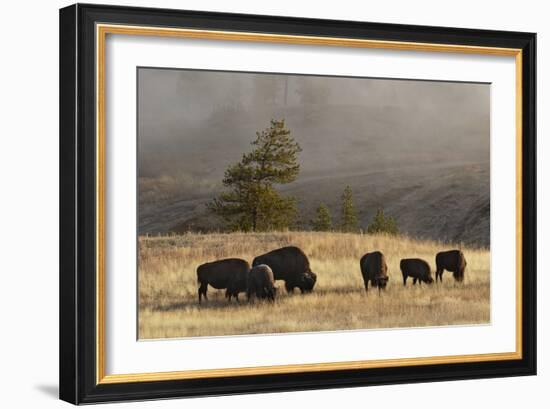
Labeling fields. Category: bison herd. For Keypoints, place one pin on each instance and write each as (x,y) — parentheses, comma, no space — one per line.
(291,265)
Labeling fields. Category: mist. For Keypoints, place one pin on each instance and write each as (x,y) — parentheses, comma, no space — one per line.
(198,122)
(420,149)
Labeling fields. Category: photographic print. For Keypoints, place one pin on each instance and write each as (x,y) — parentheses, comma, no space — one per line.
(278,203)
(242,183)
(245,183)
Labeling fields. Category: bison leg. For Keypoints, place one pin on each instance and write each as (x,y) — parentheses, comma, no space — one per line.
(405,280)
(250,291)
(439,274)
(367,286)
(414,281)
(289,288)
(202,291)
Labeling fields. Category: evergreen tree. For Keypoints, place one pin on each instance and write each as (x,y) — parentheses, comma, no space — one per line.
(382,224)
(252,203)
(322,220)
(349,216)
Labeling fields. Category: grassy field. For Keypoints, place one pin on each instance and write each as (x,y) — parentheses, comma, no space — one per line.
(168,303)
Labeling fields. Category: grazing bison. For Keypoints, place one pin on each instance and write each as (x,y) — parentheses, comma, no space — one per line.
(291,265)
(452,260)
(416,268)
(230,273)
(374,269)
(261,283)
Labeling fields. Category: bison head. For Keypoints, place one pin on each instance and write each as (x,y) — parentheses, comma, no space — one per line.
(381,282)
(459,276)
(308,281)
(429,280)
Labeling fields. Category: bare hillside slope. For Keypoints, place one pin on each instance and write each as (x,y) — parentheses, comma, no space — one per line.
(439,201)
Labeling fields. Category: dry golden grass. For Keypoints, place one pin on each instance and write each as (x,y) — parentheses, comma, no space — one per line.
(168,303)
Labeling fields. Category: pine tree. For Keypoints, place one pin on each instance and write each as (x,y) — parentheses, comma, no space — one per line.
(252,203)
(349,216)
(322,220)
(383,224)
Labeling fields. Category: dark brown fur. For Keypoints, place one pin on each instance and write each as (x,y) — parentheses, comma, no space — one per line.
(229,273)
(291,265)
(416,268)
(261,283)
(453,261)
(374,269)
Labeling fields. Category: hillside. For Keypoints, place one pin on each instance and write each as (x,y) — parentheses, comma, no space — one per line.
(439,201)
(419,149)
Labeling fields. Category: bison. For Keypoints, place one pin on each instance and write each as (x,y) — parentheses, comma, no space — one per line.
(291,265)
(239,284)
(261,283)
(230,273)
(416,268)
(452,260)
(374,269)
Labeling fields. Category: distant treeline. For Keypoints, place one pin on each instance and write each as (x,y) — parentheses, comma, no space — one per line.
(251,202)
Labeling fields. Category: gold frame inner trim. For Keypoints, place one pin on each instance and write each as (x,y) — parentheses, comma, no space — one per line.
(101,33)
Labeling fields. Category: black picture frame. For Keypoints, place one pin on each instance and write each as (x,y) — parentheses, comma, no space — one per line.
(78,360)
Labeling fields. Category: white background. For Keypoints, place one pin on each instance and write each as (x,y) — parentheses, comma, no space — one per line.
(29,205)
(125,355)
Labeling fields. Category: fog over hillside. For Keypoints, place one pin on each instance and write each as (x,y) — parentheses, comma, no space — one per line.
(420,149)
